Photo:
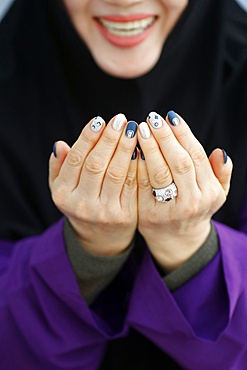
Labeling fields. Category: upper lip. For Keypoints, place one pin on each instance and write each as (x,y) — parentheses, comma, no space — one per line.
(125,18)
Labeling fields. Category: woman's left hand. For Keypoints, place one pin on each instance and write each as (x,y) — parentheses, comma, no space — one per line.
(175,230)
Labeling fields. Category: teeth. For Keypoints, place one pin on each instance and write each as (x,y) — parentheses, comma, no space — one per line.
(127,28)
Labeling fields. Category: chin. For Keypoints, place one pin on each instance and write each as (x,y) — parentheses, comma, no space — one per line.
(127,69)
(126,73)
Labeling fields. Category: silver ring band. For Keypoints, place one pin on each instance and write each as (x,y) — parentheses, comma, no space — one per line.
(165,194)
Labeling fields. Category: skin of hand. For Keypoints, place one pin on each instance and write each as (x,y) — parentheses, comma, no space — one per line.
(94,185)
(175,230)
(105,216)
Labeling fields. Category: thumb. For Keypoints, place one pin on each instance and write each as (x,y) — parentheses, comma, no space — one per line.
(60,151)
(222,167)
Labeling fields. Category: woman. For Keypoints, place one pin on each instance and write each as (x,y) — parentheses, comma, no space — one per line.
(136,260)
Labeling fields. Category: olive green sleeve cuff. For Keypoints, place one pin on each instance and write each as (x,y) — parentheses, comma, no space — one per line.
(93,273)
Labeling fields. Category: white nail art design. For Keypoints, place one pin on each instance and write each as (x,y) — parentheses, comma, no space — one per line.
(97,124)
(175,121)
(118,122)
(144,130)
(155,120)
(130,134)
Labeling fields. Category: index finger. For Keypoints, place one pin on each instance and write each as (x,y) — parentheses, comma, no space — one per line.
(193,147)
(72,166)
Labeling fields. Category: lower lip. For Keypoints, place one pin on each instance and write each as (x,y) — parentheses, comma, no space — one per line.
(127,41)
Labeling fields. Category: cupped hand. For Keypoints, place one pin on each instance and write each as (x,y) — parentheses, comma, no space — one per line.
(175,230)
(94,185)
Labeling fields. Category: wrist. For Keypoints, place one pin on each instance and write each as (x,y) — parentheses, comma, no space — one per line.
(171,250)
(102,244)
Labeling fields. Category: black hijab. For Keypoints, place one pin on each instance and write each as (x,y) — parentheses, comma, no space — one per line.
(50,88)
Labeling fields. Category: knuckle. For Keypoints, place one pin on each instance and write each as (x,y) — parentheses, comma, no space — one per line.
(86,138)
(152,222)
(130,181)
(124,148)
(79,212)
(59,198)
(167,138)
(94,165)
(214,195)
(183,165)
(108,140)
(153,151)
(116,175)
(185,134)
(144,184)
(105,218)
(198,154)
(191,210)
(74,158)
(162,175)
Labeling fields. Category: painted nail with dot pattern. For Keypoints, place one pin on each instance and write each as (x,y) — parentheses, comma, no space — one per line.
(155,120)
(173,118)
(118,122)
(97,124)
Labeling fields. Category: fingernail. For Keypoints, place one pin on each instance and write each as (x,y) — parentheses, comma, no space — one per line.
(173,118)
(155,120)
(144,130)
(118,122)
(225,156)
(142,155)
(134,155)
(54,149)
(97,124)
(131,129)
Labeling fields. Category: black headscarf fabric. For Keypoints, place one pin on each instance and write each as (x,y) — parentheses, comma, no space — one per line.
(50,88)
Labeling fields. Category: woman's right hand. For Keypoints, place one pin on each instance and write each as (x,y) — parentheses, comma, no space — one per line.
(94,185)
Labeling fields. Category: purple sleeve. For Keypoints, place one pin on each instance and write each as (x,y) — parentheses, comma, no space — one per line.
(45,323)
(243,215)
(203,323)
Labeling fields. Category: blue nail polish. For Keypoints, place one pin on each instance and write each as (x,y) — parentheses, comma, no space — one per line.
(142,155)
(173,118)
(54,149)
(131,129)
(225,156)
(134,155)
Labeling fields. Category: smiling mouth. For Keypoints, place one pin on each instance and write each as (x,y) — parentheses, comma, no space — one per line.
(127,28)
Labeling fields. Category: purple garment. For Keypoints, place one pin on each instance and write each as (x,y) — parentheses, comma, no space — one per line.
(45,323)
(202,324)
(243,215)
